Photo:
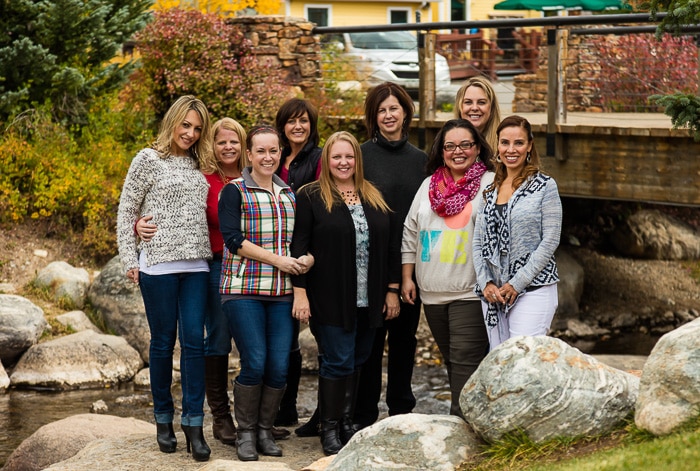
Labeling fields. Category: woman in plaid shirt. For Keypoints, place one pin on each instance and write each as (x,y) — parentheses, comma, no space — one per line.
(256,218)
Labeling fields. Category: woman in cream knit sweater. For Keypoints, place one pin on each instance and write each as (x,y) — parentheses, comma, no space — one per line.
(171,268)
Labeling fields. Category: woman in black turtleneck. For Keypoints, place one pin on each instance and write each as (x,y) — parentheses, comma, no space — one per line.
(397,168)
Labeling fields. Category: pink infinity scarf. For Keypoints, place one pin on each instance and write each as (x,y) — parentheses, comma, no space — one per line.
(449,197)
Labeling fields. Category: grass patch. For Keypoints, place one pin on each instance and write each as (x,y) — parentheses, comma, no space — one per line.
(626,449)
(693,266)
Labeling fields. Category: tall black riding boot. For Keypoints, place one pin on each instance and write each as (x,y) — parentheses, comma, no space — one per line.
(269,405)
(216,386)
(347,429)
(331,401)
(246,406)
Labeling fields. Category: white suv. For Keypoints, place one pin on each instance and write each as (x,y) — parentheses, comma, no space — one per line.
(389,56)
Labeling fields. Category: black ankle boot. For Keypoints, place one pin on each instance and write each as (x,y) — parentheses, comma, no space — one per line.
(167,442)
(310,428)
(194,435)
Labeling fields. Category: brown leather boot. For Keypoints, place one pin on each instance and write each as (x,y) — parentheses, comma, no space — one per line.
(216,386)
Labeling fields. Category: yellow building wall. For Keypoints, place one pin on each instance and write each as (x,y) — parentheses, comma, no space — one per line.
(358,13)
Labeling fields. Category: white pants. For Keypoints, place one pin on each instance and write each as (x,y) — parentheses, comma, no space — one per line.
(531,315)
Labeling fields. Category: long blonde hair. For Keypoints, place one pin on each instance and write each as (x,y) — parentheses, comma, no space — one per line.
(483,83)
(330,194)
(214,166)
(201,151)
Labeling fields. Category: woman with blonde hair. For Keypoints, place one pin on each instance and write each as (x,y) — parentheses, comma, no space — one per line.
(171,267)
(476,101)
(343,221)
(228,138)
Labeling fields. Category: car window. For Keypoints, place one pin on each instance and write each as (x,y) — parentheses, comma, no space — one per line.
(384,40)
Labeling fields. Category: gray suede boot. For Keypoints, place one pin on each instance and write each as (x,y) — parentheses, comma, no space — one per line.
(246,405)
(269,405)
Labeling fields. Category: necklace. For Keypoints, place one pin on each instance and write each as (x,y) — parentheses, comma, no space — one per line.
(350,197)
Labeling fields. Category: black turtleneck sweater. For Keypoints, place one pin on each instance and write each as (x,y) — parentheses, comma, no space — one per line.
(397,169)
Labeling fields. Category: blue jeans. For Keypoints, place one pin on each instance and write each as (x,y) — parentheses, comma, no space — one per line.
(262,331)
(175,304)
(342,351)
(218,339)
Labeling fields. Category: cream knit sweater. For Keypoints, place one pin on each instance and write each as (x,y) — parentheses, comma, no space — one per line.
(174,192)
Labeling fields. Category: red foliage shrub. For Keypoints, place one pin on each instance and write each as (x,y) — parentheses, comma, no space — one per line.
(189,52)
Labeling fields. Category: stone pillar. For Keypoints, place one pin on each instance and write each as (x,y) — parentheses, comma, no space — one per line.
(285,43)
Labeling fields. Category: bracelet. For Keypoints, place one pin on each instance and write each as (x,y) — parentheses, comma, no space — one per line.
(393,290)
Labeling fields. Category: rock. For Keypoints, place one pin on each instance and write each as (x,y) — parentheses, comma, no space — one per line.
(579,329)
(653,234)
(62,439)
(309,350)
(68,284)
(570,286)
(409,441)
(669,390)
(81,360)
(139,451)
(99,407)
(544,388)
(4,380)
(143,378)
(77,321)
(21,325)
(119,302)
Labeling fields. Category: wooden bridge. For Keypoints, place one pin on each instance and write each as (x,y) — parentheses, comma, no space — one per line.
(616,156)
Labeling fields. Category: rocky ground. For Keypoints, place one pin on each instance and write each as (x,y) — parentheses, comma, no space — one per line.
(614,286)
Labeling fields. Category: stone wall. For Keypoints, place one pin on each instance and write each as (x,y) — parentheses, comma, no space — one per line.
(285,43)
(581,71)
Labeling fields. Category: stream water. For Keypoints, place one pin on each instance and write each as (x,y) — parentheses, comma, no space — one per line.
(22,412)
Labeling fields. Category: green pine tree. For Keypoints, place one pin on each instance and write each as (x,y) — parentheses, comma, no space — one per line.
(57,53)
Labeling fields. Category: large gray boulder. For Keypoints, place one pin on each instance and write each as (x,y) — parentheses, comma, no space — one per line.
(120,304)
(546,389)
(139,452)
(652,234)
(68,284)
(669,390)
(409,442)
(62,439)
(81,360)
(21,325)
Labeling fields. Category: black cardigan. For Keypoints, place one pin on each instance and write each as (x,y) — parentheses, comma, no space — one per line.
(331,285)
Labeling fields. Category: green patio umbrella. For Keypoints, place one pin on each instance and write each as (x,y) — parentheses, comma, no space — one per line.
(544,5)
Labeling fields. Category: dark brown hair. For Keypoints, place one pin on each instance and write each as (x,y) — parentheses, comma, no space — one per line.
(295,108)
(435,158)
(376,96)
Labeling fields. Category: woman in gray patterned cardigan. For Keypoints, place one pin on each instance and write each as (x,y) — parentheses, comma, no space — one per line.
(516,234)
(171,267)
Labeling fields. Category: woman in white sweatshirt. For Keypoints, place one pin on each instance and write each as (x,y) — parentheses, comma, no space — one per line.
(436,244)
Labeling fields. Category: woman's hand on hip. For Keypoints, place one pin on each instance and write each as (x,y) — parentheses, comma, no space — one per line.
(145,229)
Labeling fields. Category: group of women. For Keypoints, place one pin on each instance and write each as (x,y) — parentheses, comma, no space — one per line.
(246,244)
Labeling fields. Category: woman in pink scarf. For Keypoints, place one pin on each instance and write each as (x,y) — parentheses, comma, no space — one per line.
(437,239)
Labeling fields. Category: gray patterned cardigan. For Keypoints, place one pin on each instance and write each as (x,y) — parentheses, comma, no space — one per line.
(174,191)
(519,246)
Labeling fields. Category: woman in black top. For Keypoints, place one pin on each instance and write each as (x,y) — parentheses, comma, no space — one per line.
(297,125)
(397,169)
(343,221)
